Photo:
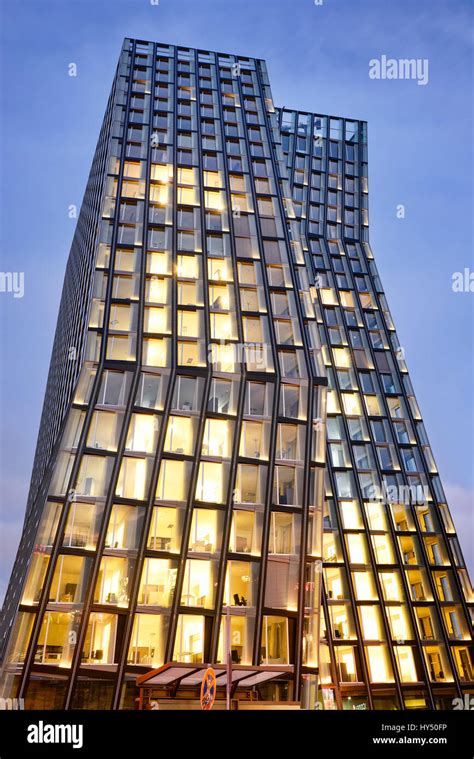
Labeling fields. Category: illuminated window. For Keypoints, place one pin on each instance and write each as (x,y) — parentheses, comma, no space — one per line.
(391,586)
(357,549)
(191,353)
(437,663)
(70,579)
(190,323)
(57,639)
(246,532)
(83,524)
(206,531)
(400,626)
(121,348)
(376,516)
(241,636)
(190,639)
(351,515)
(342,622)
(275,641)
(284,533)
(157,583)
(173,481)
(217,439)
(189,267)
(20,638)
(199,584)
(371,623)
(406,664)
(211,483)
(148,641)
(155,352)
(156,320)
(35,578)
(157,290)
(133,478)
(364,586)
(351,403)
(94,476)
(124,528)
(348,664)
(222,327)
(142,433)
(113,581)
(166,529)
(180,435)
(380,668)
(383,549)
(100,644)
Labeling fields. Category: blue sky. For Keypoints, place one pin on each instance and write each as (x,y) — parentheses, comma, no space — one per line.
(420,154)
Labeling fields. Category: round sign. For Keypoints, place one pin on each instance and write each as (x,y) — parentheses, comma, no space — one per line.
(208,689)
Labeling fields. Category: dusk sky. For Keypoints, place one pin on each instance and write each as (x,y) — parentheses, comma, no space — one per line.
(420,155)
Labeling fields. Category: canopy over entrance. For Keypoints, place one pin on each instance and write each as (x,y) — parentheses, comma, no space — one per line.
(176,675)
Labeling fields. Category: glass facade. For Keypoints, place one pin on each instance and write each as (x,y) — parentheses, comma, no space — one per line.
(397,601)
(237,433)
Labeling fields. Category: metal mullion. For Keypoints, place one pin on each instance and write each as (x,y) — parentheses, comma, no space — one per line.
(274,379)
(361,501)
(303,222)
(332,648)
(224,557)
(305,516)
(187,522)
(158,456)
(174,612)
(346,563)
(311,374)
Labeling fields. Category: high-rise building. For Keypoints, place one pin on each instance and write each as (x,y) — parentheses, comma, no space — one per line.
(221,313)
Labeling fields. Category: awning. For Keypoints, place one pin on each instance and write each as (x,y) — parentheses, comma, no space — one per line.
(177,674)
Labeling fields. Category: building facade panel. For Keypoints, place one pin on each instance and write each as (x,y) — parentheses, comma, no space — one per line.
(397,628)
